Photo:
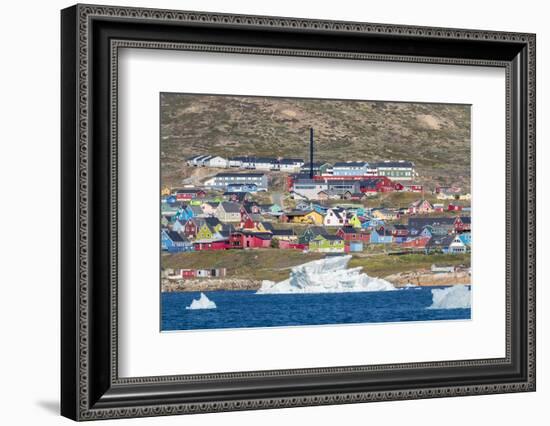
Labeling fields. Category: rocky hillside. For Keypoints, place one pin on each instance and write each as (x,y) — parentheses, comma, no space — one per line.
(435,136)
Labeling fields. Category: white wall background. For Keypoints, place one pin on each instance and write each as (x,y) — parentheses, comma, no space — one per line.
(29,211)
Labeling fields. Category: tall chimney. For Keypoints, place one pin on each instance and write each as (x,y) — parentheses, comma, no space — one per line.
(311,152)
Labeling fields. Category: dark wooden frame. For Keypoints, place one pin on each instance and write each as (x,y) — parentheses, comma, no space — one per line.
(90,386)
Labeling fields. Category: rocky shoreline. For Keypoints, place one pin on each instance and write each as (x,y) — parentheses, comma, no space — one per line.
(403,279)
(211,284)
(429,279)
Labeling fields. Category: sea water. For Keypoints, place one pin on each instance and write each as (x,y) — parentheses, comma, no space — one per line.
(246,309)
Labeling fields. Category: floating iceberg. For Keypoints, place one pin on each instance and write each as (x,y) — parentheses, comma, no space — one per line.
(328,275)
(202,302)
(455,297)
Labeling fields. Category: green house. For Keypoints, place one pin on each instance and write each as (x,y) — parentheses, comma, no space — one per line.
(327,244)
(354,221)
(204,233)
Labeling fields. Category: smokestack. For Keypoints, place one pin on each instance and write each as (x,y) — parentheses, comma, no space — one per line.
(311,152)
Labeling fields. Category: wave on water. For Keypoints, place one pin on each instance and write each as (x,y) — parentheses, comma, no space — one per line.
(455,297)
(202,302)
(328,275)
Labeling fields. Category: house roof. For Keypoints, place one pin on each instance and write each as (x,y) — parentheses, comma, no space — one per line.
(240,175)
(212,221)
(349,230)
(384,232)
(290,161)
(195,209)
(466,219)
(421,222)
(188,191)
(443,241)
(419,202)
(317,230)
(408,164)
(353,164)
(175,237)
(282,232)
(268,226)
(331,237)
(229,207)
(401,227)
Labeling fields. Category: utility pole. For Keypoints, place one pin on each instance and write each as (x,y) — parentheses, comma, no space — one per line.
(311,152)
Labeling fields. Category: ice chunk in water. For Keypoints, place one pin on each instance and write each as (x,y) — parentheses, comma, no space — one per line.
(455,297)
(202,302)
(328,275)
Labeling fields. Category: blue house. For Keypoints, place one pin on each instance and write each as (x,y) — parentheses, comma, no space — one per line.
(381,236)
(466,238)
(372,223)
(173,242)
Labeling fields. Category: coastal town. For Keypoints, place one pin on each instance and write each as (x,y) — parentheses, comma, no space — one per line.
(282,207)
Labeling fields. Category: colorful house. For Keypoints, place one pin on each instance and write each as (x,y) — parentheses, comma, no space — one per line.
(381,236)
(311,217)
(354,221)
(385,214)
(173,242)
(327,244)
(421,207)
(466,238)
(335,217)
(209,208)
(349,233)
(373,223)
(416,242)
(439,243)
(463,224)
(203,245)
(191,228)
(245,240)
(457,246)
(188,194)
(204,232)
(284,235)
(311,232)
(228,212)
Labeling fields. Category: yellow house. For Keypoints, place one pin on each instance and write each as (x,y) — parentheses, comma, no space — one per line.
(306,217)
(385,214)
(165,191)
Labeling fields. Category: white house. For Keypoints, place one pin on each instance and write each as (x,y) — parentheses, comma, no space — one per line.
(350,168)
(335,217)
(457,246)
(217,161)
(289,164)
(398,170)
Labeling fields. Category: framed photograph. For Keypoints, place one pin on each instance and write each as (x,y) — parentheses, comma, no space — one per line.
(263,212)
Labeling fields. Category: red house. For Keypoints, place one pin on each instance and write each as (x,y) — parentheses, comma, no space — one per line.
(190,228)
(418,242)
(249,220)
(284,245)
(349,233)
(210,245)
(454,208)
(400,230)
(462,224)
(242,240)
(188,273)
(189,194)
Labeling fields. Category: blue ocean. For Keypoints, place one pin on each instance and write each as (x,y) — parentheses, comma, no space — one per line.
(245,309)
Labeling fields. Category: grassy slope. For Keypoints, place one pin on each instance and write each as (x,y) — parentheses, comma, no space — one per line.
(435,136)
(273,264)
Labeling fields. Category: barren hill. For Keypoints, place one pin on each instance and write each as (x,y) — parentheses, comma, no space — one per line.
(435,136)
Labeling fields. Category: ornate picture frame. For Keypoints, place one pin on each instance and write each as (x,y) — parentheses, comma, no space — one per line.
(91,37)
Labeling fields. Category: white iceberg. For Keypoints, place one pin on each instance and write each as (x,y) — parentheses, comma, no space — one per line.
(455,297)
(202,302)
(328,275)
